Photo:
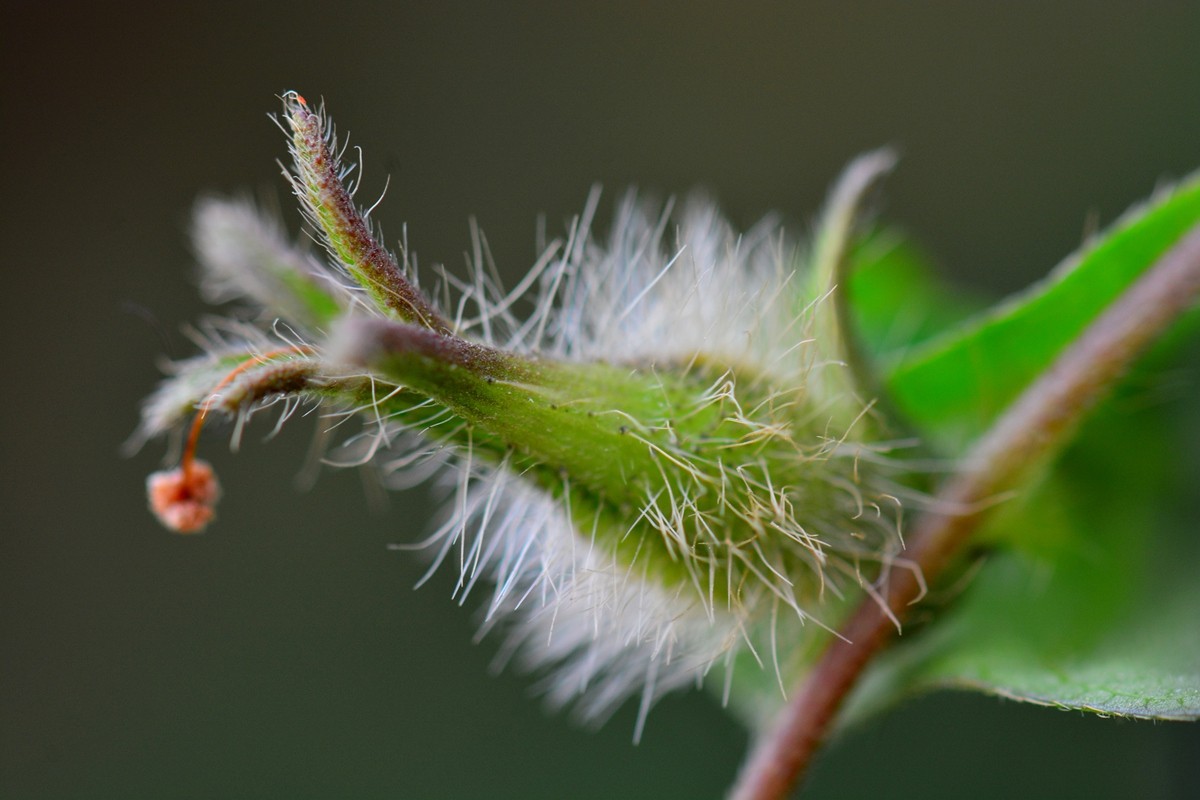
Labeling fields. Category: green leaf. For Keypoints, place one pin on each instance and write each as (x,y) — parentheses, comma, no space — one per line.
(1014,641)
(1143,663)
(897,299)
(1090,602)
(1058,634)
(1103,616)
(955,385)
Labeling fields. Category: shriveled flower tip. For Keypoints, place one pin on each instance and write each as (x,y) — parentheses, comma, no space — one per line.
(184,498)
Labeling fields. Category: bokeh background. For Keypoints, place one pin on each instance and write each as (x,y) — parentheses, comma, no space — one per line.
(284,654)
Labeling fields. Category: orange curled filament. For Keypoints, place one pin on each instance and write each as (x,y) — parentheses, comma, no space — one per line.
(184,498)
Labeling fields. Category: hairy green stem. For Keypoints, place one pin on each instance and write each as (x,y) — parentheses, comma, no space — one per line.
(1033,429)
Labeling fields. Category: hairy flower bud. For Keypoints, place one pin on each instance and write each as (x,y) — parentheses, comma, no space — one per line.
(664,466)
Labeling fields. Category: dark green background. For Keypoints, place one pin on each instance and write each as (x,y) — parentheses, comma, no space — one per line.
(283,654)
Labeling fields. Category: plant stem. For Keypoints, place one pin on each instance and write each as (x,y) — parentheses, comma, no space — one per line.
(1031,430)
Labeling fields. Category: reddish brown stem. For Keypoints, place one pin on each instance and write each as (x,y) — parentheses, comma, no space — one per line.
(1033,429)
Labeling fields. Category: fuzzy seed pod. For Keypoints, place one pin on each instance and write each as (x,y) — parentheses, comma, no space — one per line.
(670,465)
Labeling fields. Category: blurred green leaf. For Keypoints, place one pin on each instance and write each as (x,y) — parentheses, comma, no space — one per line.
(955,385)
(897,298)
(1105,617)
(1091,602)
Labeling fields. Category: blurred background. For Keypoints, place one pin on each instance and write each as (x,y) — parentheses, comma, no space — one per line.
(284,653)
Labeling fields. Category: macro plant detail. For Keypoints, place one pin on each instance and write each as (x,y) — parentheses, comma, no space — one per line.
(704,456)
